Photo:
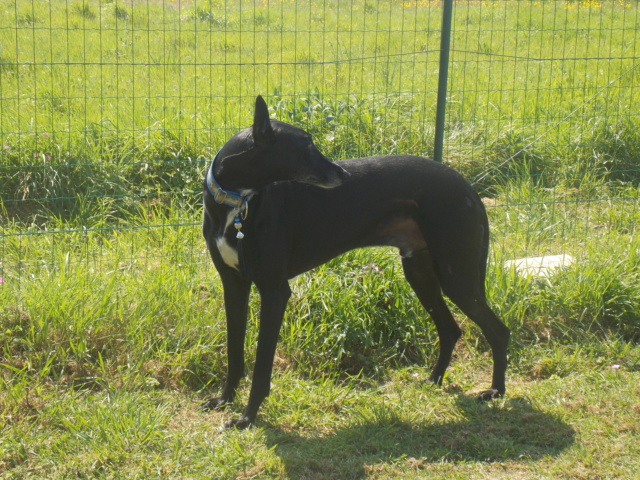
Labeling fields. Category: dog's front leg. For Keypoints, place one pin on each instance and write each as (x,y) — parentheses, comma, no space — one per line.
(236,303)
(273,302)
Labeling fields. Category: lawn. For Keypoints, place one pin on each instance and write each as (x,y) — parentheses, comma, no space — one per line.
(111,322)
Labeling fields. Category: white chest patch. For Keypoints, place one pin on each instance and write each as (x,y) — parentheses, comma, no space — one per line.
(227,252)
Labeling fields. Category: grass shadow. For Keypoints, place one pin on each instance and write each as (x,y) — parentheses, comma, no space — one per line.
(509,430)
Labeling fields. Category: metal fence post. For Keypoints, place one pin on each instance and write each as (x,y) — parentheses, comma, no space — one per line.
(443,76)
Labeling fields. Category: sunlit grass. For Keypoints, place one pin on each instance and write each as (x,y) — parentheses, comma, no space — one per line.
(148,294)
(111,317)
(106,97)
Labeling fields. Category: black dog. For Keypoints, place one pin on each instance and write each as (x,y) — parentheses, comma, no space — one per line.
(275,207)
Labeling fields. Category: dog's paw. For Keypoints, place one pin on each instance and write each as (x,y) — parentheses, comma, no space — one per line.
(489,395)
(214,403)
(241,423)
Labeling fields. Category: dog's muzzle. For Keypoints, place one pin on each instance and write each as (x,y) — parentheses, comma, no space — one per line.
(334,178)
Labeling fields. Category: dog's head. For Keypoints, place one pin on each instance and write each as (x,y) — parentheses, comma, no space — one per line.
(270,151)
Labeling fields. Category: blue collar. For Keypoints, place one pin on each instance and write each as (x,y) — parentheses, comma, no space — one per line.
(225,197)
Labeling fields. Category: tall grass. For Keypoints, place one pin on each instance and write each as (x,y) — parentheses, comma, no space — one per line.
(80,305)
(106,98)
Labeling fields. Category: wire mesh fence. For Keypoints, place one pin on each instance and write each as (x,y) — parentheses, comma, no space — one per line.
(110,111)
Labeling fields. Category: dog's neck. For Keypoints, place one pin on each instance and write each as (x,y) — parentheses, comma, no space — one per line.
(236,198)
(225,197)
(235,173)
(237,201)
(245,172)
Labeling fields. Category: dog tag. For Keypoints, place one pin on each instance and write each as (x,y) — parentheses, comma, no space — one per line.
(238,225)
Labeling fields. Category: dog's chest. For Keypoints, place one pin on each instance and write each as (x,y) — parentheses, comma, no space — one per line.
(228,252)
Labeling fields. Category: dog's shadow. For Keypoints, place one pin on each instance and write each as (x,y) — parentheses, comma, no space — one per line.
(509,430)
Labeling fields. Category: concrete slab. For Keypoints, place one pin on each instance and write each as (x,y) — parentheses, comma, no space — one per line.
(542,267)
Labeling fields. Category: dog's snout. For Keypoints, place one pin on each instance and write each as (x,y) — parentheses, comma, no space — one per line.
(344,175)
(330,177)
(336,177)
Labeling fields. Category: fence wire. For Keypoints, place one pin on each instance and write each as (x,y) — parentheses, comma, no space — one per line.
(109,112)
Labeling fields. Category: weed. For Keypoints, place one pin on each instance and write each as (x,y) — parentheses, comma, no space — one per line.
(121,13)
(84,10)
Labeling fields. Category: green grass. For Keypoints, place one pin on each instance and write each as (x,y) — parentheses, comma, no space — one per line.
(113,98)
(111,321)
(584,425)
(108,351)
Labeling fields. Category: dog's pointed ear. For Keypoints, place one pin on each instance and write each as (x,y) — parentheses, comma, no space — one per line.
(263,134)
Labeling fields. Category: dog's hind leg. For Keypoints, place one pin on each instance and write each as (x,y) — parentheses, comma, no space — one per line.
(497,334)
(419,272)
(236,303)
(465,287)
